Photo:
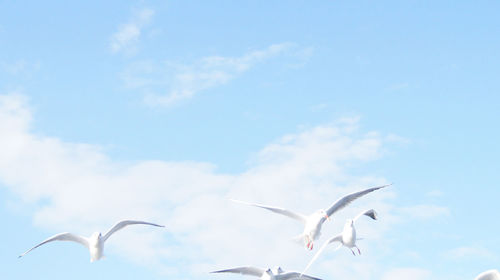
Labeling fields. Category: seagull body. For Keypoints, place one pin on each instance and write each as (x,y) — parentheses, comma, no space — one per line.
(270,274)
(314,222)
(347,238)
(95,243)
(489,275)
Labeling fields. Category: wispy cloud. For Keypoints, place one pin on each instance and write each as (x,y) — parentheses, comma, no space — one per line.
(20,66)
(435,193)
(183,81)
(425,211)
(127,36)
(469,252)
(397,87)
(407,274)
(204,229)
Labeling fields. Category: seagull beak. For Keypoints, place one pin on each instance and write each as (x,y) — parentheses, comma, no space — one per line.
(328,218)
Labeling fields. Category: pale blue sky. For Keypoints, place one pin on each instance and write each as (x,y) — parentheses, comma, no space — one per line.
(210,91)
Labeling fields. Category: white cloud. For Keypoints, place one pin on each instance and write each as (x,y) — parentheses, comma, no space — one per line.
(77,187)
(181,82)
(407,274)
(127,36)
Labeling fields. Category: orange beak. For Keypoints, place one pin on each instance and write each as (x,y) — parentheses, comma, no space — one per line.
(326,217)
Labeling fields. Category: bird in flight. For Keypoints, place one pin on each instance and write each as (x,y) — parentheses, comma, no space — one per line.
(347,238)
(489,275)
(267,274)
(314,222)
(94,243)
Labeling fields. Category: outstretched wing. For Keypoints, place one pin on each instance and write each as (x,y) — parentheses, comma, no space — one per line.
(337,238)
(125,223)
(370,213)
(295,276)
(246,270)
(65,236)
(285,212)
(346,200)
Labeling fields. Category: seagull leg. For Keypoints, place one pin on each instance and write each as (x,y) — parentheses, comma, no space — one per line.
(358,250)
(353,252)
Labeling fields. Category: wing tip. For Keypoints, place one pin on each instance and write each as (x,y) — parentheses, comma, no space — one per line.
(387,185)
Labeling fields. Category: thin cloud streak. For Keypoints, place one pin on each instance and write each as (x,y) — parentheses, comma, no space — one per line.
(184,81)
(128,34)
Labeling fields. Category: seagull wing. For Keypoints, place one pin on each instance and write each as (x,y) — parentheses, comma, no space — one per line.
(246,270)
(288,213)
(125,223)
(344,201)
(370,213)
(65,236)
(337,238)
(295,276)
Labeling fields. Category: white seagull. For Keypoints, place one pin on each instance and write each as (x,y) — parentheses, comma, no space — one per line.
(270,274)
(489,275)
(347,238)
(313,222)
(95,243)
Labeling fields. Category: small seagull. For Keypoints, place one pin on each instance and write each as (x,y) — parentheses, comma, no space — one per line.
(267,274)
(347,238)
(313,222)
(95,243)
(489,275)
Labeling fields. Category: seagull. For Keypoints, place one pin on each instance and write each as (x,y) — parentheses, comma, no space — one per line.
(313,222)
(95,243)
(489,275)
(270,274)
(347,238)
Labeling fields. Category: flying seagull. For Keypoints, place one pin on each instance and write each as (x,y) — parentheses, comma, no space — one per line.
(95,243)
(313,222)
(347,238)
(489,275)
(267,274)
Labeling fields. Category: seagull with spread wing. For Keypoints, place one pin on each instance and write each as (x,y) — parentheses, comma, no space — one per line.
(489,275)
(267,274)
(347,238)
(313,222)
(95,243)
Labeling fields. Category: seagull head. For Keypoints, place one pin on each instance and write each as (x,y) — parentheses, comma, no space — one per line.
(349,222)
(96,236)
(323,213)
(277,270)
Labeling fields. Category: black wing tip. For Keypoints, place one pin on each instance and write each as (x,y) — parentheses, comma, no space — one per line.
(384,186)
(218,271)
(372,214)
(387,185)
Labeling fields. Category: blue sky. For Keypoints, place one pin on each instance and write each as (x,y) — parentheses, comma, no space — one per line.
(162,110)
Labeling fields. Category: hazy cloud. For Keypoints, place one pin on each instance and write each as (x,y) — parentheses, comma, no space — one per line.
(82,189)
(127,35)
(167,83)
